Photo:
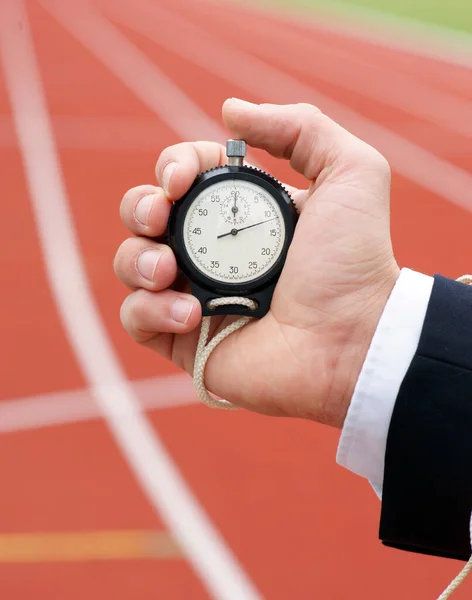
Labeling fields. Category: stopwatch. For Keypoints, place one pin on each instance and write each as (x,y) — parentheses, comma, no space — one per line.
(231,233)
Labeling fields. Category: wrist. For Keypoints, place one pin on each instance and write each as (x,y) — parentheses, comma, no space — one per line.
(351,351)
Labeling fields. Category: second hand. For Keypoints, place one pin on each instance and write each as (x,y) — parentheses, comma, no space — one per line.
(236,231)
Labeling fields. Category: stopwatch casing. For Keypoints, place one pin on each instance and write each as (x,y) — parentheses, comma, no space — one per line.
(205,288)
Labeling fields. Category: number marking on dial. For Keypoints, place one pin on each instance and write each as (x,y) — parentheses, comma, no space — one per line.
(238,238)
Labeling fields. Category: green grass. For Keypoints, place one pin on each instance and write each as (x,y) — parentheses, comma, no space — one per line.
(452,14)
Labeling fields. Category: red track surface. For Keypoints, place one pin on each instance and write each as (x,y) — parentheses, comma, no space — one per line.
(300,526)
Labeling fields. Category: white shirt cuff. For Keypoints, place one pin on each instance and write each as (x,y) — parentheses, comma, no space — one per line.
(363,439)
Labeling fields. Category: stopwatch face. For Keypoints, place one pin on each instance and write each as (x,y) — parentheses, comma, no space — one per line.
(234,231)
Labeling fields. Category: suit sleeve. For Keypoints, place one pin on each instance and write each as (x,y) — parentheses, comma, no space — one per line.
(427,484)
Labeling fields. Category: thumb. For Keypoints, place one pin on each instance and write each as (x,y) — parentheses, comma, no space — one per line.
(301,133)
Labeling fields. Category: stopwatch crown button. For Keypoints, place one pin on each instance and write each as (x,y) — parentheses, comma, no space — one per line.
(236,148)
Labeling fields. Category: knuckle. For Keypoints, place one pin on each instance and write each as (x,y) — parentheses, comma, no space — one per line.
(308,119)
(129,202)
(128,246)
(363,155)
(170,153)
(381,163)
(125,262)
(309,110)
(126,314)
(128,195)
(126,204)
(132,313)
(117,263)
(307,115)
(129,198)
(124,256)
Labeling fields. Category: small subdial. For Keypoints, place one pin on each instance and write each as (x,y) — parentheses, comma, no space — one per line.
(234,208)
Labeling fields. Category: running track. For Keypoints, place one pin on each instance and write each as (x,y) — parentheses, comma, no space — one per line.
(97,434)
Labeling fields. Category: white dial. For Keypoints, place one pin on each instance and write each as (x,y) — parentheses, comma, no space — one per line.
(234,231)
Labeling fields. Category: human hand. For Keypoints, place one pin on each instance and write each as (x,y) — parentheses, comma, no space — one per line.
(304,357)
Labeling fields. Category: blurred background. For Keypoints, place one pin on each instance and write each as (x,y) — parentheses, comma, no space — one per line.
(115,483)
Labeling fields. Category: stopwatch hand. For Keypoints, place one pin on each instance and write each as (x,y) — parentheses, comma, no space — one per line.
(235,231)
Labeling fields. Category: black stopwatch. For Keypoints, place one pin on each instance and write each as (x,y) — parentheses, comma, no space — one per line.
(231,233)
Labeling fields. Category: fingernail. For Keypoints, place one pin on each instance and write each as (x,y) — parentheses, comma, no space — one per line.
(181,310)
(147,263)
(167,175)
(143,209)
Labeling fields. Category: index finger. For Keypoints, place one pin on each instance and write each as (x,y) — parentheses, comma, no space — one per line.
(179,165)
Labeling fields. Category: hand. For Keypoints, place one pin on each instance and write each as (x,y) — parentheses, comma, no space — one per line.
(304,357)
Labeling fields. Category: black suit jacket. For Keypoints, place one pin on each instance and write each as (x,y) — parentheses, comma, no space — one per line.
(427,489)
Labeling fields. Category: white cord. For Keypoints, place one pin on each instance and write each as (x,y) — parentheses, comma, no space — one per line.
(457,581)
(205,348)
(467,279)
(468,567)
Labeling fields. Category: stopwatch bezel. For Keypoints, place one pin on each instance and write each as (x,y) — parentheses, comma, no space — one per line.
(206,288)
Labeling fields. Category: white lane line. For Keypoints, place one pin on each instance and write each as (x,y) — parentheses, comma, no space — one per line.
(258,78)
(136,71)
(72,406)
(345,69)
(148,458)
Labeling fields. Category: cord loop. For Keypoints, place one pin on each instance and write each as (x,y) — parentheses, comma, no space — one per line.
(205,348)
